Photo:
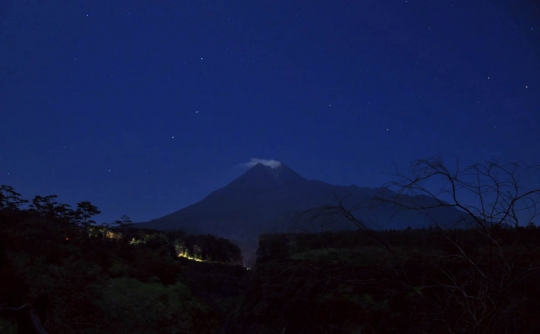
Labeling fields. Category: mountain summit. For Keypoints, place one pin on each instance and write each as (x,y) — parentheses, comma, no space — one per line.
(272,199)
(267,177)
(246,205)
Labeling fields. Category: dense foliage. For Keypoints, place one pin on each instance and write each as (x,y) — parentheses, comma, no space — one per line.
(430,281)
(107,280)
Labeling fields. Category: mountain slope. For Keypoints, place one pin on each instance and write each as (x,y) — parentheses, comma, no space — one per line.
(266,199)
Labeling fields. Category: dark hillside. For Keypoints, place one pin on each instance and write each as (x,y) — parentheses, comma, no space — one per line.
(114,281)
(422,283)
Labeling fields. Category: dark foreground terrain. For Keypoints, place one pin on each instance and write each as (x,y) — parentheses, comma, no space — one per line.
(123,280)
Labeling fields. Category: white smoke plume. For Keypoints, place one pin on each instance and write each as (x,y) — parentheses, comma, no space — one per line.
(270,163)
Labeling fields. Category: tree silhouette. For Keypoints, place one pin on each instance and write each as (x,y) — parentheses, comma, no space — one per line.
(47,206)
(482,281)
(490,194)
(85,211)
(10,199)
(123,222)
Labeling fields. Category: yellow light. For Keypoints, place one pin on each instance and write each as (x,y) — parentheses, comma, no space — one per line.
(190,257)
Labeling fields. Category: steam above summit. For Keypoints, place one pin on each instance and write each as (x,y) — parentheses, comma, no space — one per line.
(269,163)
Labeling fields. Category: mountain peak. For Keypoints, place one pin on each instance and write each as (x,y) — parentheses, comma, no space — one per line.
(260,172)
(270,197)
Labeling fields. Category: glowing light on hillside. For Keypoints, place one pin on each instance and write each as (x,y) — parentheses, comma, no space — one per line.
(190,257)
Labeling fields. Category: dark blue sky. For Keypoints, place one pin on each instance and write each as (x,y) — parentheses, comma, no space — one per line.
(144,107)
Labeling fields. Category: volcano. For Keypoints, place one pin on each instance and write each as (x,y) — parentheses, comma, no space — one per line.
(276,199)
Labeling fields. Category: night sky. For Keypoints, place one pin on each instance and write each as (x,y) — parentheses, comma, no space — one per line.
(145,107)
